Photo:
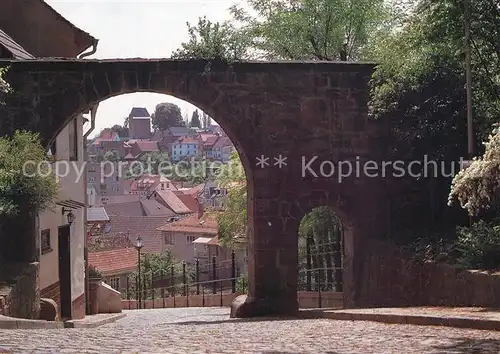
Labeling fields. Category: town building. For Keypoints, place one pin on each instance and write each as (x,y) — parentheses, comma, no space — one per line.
(62,229)
(185,147)
(139,123)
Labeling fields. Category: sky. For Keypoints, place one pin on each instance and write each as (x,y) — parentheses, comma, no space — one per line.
(138,29)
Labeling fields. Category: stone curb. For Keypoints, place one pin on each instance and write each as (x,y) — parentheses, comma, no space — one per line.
(21,323)
(419,320)
(93,323)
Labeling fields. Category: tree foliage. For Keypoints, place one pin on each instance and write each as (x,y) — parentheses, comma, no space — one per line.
(167,115)
(4,86)
(152,163)
(122,131)
(232,220)
(311,29)
(322,229)
(289,29)
(195,120)
(419,84)
(153,266)
(478,247)
(209,40)
(477,187)
(206,120)
(25,179)
(111,155)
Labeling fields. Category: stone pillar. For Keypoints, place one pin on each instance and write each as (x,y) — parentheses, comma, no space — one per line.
(272,255)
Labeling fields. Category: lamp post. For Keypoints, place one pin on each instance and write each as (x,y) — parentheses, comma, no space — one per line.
(70,215)
(138,247)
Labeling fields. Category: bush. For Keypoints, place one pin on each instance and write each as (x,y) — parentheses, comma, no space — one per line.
(479,246)
(24,185)
(94,272)
(242,283)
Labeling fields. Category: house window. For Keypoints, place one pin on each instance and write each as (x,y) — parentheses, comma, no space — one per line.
(91,179)
(190,239)
(45,241)
(114,283)
(73,140)
(169,239)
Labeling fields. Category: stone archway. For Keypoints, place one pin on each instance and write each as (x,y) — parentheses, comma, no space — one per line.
(284,114)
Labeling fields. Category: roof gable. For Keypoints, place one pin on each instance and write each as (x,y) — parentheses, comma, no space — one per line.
(25,20)
(17,51)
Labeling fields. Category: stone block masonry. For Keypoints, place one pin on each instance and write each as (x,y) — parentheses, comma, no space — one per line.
(20,296)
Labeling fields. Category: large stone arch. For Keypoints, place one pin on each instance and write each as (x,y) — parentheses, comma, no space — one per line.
(296,110)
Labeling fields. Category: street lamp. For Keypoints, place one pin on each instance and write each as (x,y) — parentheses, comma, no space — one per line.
(70,216)
(138,246)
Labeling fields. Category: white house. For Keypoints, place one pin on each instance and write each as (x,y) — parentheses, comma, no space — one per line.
(62,230)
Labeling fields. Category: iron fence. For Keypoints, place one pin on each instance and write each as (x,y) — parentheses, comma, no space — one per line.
(320,272)
(321,268)
(201,279)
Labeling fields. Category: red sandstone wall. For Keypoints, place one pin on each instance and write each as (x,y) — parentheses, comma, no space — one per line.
(390,278)
(307,299)
(52,292)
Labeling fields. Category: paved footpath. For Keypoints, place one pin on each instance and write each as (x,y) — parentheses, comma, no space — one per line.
(209,330)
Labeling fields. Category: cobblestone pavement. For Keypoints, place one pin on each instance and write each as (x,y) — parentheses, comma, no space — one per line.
(208,330)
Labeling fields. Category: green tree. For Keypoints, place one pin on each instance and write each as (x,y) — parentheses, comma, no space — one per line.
(195,120)
(154,163)
(111,155)
(157,266)
(193,170)
(323,230)
(21,184)
(419,88)
(311,29)
(167,115)
(232,220)
(121,130)
(208,40)
(206,120)
(289,29)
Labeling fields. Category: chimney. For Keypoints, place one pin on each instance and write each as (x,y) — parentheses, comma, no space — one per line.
(200,209)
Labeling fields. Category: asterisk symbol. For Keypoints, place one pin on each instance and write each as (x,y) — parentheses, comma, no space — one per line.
(262,161)
(280,161)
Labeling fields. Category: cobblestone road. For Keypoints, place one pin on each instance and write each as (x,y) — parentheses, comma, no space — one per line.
(208,330)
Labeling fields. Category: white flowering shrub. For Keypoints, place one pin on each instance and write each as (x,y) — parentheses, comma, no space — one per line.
(478,186)
(4,86)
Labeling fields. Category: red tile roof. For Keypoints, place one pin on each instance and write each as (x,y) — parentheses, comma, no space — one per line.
(173,201)
(125,209)
(207,224)
(222,142)
(144,226)
(114,262)
(154,208)
(147,145)
(196,190)
(210,141)
(188,200)
(186,140)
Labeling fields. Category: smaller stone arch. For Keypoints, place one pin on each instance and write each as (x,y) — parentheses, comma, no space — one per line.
(349,243)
